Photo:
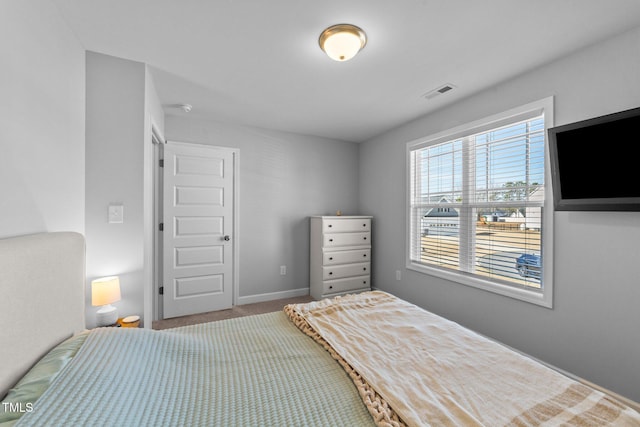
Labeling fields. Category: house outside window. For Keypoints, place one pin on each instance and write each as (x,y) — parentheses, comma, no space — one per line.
(479,210)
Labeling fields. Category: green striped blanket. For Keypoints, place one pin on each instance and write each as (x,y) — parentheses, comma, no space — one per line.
(253,371)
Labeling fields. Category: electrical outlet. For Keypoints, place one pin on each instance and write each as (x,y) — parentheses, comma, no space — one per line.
(398,275)
(283,270)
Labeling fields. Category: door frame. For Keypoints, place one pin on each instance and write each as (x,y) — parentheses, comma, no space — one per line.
(157,219)
(158,154)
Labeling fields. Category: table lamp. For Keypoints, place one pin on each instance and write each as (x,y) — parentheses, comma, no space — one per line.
(105,291)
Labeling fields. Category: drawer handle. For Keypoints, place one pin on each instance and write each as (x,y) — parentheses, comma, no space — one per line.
(364,225)
(364,282)
(365,255)
(330,258)
(364,238)
(331,273)
(331,287)
(331,240)
(365,269)
(330,225)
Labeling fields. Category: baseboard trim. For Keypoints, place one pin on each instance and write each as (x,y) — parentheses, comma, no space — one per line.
(251,299)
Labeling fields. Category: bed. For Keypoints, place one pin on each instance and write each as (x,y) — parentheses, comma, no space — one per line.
(356,360)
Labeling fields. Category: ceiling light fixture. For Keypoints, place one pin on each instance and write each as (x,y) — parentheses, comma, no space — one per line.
(342,42)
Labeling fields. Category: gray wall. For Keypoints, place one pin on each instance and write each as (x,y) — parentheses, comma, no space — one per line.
(283,179)
(593,330)
(41,121)
(120,104)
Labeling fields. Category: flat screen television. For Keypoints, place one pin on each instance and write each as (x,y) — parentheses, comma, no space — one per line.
(595,165)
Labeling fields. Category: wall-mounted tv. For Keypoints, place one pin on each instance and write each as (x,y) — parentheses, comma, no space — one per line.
(595,165)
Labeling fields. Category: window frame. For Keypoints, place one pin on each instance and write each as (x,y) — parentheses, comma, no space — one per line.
(542,298)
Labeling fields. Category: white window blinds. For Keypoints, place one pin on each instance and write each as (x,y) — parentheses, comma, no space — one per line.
(476,203)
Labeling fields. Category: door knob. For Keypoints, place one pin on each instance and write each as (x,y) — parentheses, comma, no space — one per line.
(227,238)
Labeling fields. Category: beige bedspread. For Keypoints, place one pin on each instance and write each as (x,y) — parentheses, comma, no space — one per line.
(432,371)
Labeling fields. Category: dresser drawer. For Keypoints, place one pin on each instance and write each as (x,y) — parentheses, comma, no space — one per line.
(346,239)
(346,285)
(346,257)
(347,270)
(346,225)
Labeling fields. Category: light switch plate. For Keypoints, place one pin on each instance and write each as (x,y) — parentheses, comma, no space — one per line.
(116,214)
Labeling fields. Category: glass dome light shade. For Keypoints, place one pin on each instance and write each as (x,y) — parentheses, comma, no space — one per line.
(342,42)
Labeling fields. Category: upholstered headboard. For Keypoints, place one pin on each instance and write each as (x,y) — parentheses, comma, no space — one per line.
(41,298)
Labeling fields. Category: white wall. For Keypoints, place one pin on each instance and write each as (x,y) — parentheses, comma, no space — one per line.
(284,178)
(593,330)
(120,107)
(41,121)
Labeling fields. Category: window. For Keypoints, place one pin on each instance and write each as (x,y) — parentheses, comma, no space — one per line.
(477,204)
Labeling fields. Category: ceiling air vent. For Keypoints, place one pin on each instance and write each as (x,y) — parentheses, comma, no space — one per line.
(439,91)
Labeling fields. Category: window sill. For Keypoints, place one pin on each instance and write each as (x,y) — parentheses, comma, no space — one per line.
(541,298)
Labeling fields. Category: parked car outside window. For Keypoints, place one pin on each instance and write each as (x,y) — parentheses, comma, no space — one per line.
(529,265)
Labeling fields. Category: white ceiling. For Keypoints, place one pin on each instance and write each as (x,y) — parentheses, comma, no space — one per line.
(257,62)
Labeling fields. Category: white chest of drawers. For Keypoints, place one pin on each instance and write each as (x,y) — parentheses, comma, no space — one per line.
(340,254)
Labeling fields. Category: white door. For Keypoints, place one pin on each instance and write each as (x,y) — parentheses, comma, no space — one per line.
(198,229)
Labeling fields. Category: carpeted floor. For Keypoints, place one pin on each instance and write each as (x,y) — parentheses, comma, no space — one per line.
(237,311)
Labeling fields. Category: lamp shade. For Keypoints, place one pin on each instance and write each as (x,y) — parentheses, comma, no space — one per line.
(342,42)
(105,291)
